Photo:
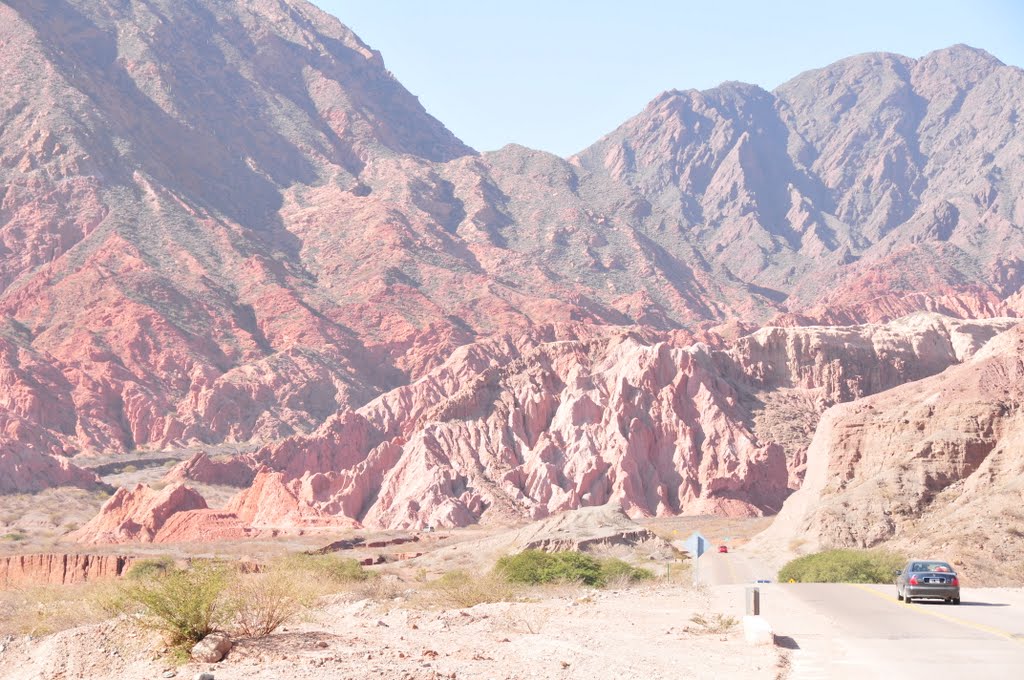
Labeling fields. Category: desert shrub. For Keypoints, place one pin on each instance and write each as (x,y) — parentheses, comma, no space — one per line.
(615,571)
(264,602)
(712,624)
(185,604)
(535,567)
(14,536)
(150,567)
(460,589)
(329,569)
(843,566)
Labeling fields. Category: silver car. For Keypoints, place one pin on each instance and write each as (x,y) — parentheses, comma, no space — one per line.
(927,580)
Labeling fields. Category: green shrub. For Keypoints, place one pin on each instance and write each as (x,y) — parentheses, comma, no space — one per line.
(185,604)
(14,536)
(150,567)
(618,571)
(535,567)
(327,568)
(843,566)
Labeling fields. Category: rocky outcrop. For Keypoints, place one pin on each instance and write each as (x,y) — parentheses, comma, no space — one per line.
(232,471)
(529,427)
(137,514)
(24,470)
(60,569)
(940,452)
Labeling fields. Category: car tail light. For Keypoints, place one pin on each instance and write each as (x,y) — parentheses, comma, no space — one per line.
(913,580)
(955,581)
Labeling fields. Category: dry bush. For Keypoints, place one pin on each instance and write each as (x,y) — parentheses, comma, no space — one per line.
(713,624)
(460,589)
(527,619)
(380,588)
(266,601)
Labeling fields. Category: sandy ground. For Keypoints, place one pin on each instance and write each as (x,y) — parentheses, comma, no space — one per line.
(641,632)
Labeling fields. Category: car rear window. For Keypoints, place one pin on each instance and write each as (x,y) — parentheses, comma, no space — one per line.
(931,566)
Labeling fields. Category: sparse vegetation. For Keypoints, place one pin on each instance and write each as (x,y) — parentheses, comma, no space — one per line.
(461,589)
(536,567)
(184,604)
(42,610)
(618,572)
(329,569)
(843,566)
(14,536)
(150,567)
(713,624)
(264,602)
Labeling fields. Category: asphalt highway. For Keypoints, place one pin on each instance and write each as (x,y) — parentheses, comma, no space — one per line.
(847,631)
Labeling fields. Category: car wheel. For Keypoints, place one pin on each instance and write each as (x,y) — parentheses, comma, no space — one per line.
(956,600)
(899,595)
(906,598)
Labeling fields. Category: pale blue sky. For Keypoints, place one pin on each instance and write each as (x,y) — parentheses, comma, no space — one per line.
(558,75)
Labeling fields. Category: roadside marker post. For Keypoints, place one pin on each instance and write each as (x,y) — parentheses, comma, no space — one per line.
(753,601)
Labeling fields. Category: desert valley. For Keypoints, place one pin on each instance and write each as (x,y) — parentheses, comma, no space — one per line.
(257,303)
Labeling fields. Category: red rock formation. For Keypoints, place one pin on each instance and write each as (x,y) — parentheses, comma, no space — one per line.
(235,471)
(355,242)
(24,470)
(57,569)
(415,333)
(529,427)
(137,514)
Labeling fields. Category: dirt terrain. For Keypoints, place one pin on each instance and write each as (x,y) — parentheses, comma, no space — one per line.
(400,626)
(634,633)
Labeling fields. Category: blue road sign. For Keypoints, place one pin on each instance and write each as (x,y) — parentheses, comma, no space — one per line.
(696,545)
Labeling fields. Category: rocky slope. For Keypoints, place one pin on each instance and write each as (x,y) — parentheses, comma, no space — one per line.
(931,467)
(527,427)
(227,222)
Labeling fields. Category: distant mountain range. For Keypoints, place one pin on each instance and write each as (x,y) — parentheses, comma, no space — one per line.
(227,222)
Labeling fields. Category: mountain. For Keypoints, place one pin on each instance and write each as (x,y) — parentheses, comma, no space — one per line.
(877,186)
(227,222)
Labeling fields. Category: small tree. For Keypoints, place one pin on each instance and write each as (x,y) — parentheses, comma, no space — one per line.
(185,604)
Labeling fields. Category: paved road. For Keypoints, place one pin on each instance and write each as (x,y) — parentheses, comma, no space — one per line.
(855,631)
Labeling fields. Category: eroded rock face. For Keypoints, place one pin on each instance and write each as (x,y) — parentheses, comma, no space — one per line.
(24,470)
(940,452)
(60,569)
(183,270)
(528,427)
(235,471)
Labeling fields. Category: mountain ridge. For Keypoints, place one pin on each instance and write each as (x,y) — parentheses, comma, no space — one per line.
(227,223)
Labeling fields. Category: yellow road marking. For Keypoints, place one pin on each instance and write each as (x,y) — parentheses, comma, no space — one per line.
(952,619)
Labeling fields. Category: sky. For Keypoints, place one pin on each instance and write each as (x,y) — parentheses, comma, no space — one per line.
(558,76)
